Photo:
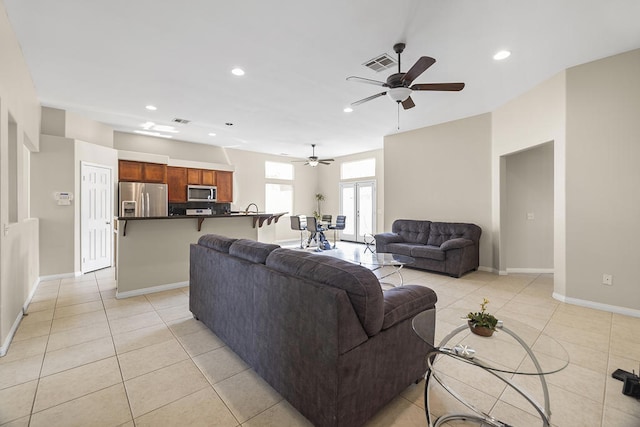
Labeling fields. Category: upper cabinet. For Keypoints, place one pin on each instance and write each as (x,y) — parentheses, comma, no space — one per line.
(225,186)
(208,177)
(177,184)
(194,176)
(141,172)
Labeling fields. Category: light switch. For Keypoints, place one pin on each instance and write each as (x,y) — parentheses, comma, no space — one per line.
(531,215)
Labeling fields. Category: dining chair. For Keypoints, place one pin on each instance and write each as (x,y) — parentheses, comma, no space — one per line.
(339,225)
(299,223)
(326,219)
(316,233)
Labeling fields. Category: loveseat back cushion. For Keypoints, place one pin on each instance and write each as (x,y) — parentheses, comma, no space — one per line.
(412,231)
(442,231)
(251,250)
(360,284)
(216,242)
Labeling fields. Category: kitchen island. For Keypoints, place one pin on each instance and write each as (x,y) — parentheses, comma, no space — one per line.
(152,253)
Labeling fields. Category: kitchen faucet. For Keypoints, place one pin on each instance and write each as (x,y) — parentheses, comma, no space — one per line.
(246,211)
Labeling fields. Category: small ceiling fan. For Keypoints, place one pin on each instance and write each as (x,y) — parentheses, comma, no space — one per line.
(399,84)
(313,160)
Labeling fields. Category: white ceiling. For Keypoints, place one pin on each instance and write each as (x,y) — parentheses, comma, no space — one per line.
(106,60)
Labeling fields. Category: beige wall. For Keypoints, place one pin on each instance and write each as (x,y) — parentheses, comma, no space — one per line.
(533,118)
(529,210)
(19,239)
(603,206)
(442,173)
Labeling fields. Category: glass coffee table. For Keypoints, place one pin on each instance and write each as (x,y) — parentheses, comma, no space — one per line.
(375,261)
(505,356)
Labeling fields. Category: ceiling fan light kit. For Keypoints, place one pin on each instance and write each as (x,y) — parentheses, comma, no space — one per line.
(400,85)
(313,160)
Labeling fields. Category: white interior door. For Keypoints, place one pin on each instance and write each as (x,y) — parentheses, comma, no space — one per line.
(96,215)
(358,204)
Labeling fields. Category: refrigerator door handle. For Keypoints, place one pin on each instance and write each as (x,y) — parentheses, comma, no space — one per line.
(147,204)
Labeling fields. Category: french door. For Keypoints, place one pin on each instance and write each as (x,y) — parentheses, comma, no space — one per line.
(96,214)
(358,204)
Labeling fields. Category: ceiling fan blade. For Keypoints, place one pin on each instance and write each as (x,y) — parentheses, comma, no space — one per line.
(438,86)
(362,101)
(408,103)
(326,160)
(299,161)
(324,163)
(363,80)
(418,68)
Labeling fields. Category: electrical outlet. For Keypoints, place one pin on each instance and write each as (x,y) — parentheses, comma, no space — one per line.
(607,279)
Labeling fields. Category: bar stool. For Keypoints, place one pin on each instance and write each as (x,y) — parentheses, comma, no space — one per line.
(299,223)
(339,225)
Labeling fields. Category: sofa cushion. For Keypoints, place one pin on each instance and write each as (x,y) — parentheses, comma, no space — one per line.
(217,242)
(401,248)
(251,250)
(426,251)
(406,301)
(412,231)
(440,232)
(455,244)
(360,284)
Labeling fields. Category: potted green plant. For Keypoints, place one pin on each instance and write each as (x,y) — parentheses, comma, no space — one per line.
(318,214)
(482,323)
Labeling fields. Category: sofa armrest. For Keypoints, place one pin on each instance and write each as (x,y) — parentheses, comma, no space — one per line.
(456,244)
(383,239)
(404,302)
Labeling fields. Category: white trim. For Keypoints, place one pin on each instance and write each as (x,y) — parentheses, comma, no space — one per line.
(502,272)
(201,165)
(151,290)
(60,276)
(530,270)
(488,269)
(16,323)
(597,305)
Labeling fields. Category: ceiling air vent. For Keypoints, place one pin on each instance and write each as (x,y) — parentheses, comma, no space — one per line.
(181,121)
(380,63)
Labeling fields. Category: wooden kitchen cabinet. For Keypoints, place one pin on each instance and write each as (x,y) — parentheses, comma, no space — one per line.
(177,183)
(208,177)
(225,186)
(194,176)
(131,171)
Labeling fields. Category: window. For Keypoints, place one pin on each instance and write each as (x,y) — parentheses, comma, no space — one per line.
(279,198)
(278,194)
(358,169)
(276,170)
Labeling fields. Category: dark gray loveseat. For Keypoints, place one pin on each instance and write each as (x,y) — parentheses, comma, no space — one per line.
(318,329)
(445,247)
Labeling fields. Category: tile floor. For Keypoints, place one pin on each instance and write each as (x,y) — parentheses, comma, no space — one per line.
(83,358)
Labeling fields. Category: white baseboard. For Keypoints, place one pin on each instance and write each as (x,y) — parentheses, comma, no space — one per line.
(150,290)
(16,323)
(488,269)
(597,305)
(530,270)
(60,276)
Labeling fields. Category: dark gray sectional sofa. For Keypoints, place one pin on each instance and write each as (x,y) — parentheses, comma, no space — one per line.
(318,329)
(446,247)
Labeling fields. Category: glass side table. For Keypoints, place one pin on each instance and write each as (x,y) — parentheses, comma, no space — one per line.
(488,353)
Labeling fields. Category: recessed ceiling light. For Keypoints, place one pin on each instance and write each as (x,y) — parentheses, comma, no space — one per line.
(348,110)
(151,107)
(237,72)
(212,134)
(503,54)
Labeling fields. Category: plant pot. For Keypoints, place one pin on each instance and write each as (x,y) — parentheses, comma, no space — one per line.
(483,331)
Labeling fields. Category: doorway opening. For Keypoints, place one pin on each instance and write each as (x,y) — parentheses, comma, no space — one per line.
(96,212)
(358,204)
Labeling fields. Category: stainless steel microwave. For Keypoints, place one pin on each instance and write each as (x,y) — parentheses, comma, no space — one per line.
(202,193)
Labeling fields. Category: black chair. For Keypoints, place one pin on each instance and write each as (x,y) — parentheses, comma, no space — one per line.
(339,225)
(299,223)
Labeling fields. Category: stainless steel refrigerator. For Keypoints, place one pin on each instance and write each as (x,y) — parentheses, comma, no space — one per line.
(141,199)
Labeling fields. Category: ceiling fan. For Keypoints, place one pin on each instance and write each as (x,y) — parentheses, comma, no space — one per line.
(399,83)
(313,160)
